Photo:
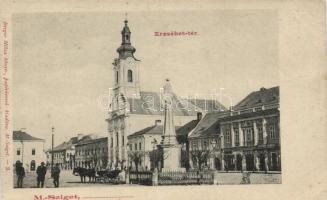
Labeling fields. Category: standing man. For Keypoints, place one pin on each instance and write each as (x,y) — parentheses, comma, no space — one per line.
(20,172)
(55,175)
(41,171)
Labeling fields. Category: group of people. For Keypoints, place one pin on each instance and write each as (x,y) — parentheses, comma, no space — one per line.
(41,171)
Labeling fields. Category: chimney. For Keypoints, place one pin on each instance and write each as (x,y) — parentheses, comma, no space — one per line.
(199,116)
(157,122)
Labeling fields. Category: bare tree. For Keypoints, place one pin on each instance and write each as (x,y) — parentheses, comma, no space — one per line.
(200,157)
(135,157)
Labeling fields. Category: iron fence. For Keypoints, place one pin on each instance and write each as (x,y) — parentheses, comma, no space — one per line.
(185,178)
(140,177)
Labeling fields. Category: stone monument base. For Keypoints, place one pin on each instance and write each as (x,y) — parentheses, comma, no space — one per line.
(172,158)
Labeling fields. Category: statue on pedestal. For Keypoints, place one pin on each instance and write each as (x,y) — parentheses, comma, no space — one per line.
(169,145)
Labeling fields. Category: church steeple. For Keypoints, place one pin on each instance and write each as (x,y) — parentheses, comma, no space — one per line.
(126,49)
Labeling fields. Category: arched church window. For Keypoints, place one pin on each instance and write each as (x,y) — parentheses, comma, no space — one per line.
(130,76)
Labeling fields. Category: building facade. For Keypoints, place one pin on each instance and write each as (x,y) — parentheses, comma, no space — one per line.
(245,138)
(144,142)
(251,135)
(28,150)
(64,154)
(132,109)
(92,153)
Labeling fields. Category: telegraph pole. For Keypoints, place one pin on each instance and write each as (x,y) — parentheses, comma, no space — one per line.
(52,143)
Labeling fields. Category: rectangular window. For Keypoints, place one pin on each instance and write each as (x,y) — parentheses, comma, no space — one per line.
(131,147)
(227,136)
(135,147)
(140,146)
(260,135)
(123,140)
(33,152)
(248,136)
(272,131)
(117,140)
(18,152)
(111,142)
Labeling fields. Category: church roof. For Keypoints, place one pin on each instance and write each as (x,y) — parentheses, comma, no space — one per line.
(258,98)
(21,135)
(150,103)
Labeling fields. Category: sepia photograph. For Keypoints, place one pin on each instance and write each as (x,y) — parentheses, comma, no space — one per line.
(107,99)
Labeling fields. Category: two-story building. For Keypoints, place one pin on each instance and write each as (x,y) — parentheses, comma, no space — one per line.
(245,138)
(28,150)
(64,153)
(92,153)
(251,134)
(144,142)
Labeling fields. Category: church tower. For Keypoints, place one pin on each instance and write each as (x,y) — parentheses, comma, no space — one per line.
(125,67)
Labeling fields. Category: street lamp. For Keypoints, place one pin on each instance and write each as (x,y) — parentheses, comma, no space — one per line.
(52,144)
(154,153)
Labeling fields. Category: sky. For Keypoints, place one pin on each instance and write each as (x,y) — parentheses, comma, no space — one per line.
(62,62)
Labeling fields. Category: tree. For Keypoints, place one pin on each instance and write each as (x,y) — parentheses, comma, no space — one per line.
(200,157)
(136,158)
(156,158)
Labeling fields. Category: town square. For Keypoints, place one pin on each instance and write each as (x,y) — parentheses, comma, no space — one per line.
(154,138)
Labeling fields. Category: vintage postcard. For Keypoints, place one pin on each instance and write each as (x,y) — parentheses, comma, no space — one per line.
(119,100)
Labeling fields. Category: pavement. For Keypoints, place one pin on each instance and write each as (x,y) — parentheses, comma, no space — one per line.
(67,179)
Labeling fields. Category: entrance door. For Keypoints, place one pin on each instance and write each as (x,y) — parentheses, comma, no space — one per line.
(32,168)
(217,164)
(249,162)
(274,161)
(239,162)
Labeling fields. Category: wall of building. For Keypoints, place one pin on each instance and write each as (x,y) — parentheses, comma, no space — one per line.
(26,156)
(129,125)
(93,154)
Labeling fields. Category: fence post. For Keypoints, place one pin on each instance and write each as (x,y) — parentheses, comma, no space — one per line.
(155,177)
(215,177)
(127,176)
(197,177)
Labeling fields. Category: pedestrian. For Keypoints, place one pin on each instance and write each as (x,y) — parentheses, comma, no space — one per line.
(55,175)
(41,171)
(20,172)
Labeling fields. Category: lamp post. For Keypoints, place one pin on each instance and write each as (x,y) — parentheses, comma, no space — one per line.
(154,153)
(52,144)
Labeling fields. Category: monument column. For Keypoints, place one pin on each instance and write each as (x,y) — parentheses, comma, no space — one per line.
(171,148)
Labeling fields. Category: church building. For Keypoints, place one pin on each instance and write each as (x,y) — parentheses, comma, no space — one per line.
(132,109)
